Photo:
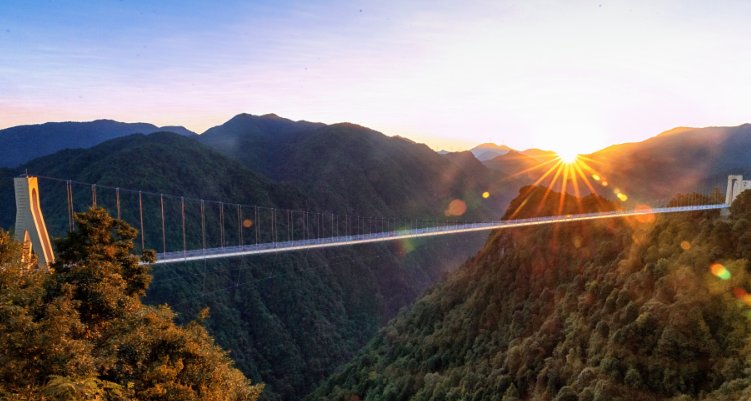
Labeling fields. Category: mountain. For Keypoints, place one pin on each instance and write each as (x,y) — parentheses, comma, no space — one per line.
(177,129)
(541,156)
(679,160)
(473,167)
(289,319)
(614,309)
(358,169)
(514,163)
(487,151)
(27,142)
(255,141)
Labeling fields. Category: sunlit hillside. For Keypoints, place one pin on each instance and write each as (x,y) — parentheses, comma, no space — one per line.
(647,309)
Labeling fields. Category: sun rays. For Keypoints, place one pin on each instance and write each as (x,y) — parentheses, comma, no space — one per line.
(564,172)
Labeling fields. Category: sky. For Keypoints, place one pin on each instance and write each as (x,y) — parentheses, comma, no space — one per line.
(562,75)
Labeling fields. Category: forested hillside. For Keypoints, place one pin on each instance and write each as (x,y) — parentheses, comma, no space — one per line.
(358,169)
(289,320)
(620,309)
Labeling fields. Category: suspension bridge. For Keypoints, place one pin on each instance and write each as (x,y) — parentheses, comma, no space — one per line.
(31,228)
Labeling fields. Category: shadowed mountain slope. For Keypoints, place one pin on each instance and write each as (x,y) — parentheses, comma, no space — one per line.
(23,143)
(469,163)
(358,169)
(256,141)
(514,163)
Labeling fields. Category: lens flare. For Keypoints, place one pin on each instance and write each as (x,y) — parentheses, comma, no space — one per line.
(596,177)
(685,245)
(719,271)
(405,246)
(644,214)
(604,183)
(485,194)
(622,197)
(457,207)
(577,241)
(247,223)
(742,295)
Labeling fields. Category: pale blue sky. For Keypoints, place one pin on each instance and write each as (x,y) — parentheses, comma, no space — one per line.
(550,74)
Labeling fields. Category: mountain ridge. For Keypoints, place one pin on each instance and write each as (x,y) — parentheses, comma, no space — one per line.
(26,142)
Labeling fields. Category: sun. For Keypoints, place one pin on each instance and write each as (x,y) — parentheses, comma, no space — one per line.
(567,156)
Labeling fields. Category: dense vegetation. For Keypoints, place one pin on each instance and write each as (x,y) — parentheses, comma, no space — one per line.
(361,170)
(289,320)
(601,310)
(81,331)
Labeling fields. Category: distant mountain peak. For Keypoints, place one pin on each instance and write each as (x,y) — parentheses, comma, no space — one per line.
(487,151)
(676,130)
(490,145)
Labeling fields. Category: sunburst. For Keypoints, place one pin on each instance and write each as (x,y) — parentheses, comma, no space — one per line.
(568,166)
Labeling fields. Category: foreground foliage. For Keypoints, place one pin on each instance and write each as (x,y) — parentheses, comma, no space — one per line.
(602,310)
(81,331)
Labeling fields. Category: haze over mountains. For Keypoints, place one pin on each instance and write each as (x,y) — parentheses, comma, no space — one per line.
(678,160)
(488,151)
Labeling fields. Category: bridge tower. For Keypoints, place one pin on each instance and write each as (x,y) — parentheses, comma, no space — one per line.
(30,227)
(736,185)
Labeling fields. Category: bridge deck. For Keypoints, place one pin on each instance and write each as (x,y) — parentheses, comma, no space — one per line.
(230,251)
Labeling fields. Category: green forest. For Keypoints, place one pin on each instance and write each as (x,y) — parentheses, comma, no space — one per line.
(81,332)
(614,309)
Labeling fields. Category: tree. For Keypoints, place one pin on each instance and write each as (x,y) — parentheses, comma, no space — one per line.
(81,331)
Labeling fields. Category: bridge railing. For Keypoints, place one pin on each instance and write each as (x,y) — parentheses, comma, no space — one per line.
(425,231)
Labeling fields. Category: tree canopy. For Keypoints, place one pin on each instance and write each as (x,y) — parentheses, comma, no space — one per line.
(80,331)
(655,308)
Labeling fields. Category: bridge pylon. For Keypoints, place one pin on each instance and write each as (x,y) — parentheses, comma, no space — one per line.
(736,185)
(30,227)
